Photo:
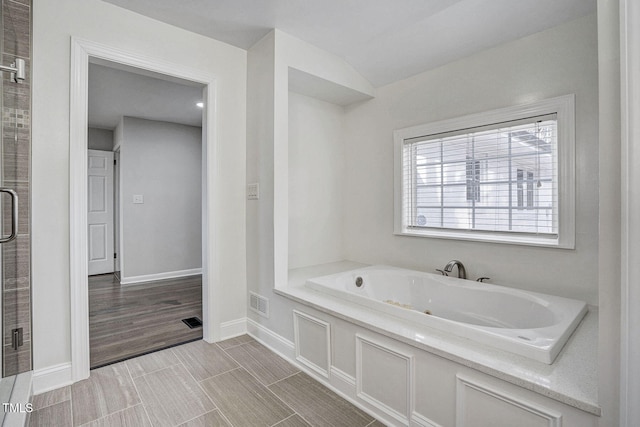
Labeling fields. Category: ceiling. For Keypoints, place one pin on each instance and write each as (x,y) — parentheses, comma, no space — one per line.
(384,40)
(114,93)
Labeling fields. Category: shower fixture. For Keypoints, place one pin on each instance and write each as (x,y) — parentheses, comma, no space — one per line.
(18,70)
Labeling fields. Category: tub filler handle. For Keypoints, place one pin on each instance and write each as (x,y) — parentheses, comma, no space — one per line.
(444,273)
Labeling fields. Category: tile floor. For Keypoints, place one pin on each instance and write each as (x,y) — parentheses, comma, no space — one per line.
(237,382)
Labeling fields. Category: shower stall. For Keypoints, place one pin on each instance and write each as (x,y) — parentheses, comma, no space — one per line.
(15,227)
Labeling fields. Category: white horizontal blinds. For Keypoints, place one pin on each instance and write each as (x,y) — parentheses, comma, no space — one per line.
(500,178)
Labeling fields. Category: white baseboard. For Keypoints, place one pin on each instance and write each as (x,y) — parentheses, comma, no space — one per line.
(233,328)
(275,342)
(51,378)
(160,276)
(343,376)
(419,420)
(342,381)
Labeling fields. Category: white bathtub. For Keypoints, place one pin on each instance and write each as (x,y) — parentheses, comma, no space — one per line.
(530,324)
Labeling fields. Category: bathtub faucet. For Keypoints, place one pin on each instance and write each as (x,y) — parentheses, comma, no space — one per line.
(462,273)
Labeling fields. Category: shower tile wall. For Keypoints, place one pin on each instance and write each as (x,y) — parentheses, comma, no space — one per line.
(16,163)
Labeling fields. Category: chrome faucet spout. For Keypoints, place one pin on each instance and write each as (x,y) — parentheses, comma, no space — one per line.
(462,273)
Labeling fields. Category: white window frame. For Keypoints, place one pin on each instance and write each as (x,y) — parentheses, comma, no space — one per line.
(564,107)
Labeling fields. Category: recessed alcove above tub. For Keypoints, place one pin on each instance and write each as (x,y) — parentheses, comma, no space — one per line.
(322,89)
(316,166)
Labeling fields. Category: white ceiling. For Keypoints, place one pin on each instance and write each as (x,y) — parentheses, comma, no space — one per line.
(385,40)
(116,92)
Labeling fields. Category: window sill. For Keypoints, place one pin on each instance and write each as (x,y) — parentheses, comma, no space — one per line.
(489,237)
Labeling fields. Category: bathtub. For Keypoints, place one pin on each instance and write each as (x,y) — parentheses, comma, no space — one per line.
(530,324)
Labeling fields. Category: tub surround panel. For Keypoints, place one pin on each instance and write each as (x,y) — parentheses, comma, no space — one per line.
(433,393)
(429,370)
(479,405)
(342,338)
(312,342)
(387,389)
(571,380)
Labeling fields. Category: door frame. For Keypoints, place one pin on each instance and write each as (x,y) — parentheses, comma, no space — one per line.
(630,226)
(82,53)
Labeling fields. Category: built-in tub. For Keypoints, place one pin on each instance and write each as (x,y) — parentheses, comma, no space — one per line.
(530,324)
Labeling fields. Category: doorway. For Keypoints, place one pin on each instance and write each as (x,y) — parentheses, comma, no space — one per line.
(83,53)
(145,291)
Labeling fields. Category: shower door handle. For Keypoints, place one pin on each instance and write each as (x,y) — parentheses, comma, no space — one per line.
(14,214)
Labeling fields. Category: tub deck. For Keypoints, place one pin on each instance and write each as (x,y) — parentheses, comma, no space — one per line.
(572,379)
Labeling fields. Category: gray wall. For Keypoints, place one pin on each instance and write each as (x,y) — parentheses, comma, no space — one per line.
(100,139)
(163,163)
(565,62)
(316,162)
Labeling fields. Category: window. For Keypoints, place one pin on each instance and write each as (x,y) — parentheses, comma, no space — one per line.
(503,176)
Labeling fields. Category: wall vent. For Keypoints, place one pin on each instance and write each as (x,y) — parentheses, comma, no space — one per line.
(259,304)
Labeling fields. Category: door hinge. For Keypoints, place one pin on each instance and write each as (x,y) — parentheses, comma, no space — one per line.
(115,255)
(16,338)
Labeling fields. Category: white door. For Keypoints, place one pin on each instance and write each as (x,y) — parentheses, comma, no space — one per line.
(100,215)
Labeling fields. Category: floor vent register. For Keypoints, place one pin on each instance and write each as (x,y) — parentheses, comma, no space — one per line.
(193,322)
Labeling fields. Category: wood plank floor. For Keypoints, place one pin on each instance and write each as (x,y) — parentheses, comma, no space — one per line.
(234,383)
(127,321)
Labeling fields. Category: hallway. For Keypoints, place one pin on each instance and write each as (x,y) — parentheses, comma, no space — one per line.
(127,321)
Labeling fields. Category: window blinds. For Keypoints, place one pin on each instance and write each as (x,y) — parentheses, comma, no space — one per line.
(498,178)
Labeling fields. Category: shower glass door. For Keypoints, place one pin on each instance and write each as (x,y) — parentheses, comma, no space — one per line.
(15,188)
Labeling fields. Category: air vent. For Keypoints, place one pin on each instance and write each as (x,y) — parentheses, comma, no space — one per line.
(259,304)
(192,322)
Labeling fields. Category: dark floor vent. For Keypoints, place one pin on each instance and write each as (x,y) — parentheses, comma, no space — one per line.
(192,322)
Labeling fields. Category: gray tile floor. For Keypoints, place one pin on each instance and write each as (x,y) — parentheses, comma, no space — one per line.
(237,382)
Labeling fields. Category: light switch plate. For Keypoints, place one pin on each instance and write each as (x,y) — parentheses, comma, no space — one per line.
(253,191)
(138,198)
